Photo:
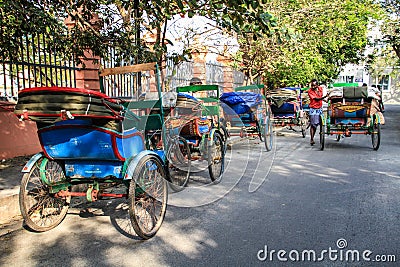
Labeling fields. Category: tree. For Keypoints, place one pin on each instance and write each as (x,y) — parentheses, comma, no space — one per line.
(120,20)
(391,25)
(316,39)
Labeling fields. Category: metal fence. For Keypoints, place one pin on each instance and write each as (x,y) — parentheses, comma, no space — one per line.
(215,75)
(120,85)
(239,78)
(177,74)
(37,65)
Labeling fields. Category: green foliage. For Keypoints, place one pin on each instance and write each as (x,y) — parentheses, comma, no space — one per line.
(119,24)
(391,25)
(315,40)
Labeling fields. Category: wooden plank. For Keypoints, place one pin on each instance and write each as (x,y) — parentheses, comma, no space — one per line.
(249,87)
(142,104)
(128,69)
(197,88)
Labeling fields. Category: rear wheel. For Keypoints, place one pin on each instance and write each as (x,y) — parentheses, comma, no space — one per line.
(269,134)
(40,207)
(303,125)
(148,194)
(178,162)
(321,136)
(261,131)
(216,155)
(376,135)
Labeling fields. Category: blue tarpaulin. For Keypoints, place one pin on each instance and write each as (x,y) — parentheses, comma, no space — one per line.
(241,102)
(187,96)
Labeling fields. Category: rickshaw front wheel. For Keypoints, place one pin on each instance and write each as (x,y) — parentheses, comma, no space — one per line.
(178,163)
(376,135)
(321,136)
(40,207)
(216,157)
(269,134)
(148,195)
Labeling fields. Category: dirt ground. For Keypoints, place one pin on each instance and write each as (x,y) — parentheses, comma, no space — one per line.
(10,172)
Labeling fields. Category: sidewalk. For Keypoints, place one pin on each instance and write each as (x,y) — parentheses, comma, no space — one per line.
(10,179)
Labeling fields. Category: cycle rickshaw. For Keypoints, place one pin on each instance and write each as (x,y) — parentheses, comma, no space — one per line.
(198,121)
(348,114)
(92,141)
(248,114)
(287,108)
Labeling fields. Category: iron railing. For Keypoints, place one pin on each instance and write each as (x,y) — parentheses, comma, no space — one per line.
(37,64)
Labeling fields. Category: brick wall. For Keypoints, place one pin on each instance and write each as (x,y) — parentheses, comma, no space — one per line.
(17,138)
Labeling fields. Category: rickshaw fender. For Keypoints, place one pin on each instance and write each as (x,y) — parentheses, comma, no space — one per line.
(133,163)
(29,165)
(377,118)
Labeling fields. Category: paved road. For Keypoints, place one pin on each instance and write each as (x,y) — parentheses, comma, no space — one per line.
(341,201)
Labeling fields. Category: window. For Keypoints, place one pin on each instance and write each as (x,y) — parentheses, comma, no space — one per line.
(349,79)
(384,82)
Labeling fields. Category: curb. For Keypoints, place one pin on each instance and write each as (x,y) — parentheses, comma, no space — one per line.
(9,209)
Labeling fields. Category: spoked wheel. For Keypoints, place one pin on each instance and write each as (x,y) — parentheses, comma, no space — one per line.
(338,137)
(376,135)
(303,126)
(321,136)
(178,162)
(268,134)
(40,207)
(224,129)
(216,155)
(148,195)
(261,131)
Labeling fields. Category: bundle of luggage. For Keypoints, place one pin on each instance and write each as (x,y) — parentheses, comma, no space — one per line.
(241,102)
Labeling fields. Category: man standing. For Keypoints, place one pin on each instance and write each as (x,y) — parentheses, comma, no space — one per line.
(316,96)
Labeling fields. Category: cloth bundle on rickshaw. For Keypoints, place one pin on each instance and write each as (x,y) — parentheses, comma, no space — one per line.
(190,122)
(51,104)
(283,101)
(196,127)
(241,102)
(189,125)
(305,98)
(186,101)
(284,93)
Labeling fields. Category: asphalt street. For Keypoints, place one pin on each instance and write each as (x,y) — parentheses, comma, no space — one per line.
(271,209)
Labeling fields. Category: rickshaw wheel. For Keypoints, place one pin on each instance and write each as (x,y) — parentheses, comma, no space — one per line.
(40,209)
(223,128)
(303,125)
(321,136)
(216,155)
(148,195)
(269,134)
(261,131)
(178,163)
(376,135)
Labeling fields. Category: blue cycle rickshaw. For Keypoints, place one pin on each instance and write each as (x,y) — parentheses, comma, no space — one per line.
(91,140)
(287,108)
(248,113)
(200,125)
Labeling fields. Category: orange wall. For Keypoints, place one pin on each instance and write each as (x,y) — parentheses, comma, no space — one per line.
(16,138)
